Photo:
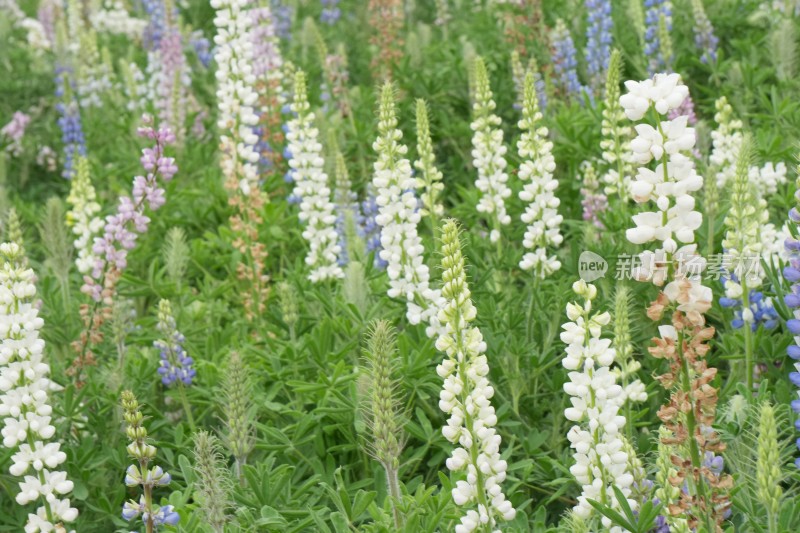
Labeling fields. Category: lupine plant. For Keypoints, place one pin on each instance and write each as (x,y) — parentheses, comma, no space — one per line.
(385,384)
(466,398)
(488,155)
(25,411)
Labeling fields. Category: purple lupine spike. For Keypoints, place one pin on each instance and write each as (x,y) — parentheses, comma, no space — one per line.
(69,121)
(369,229)
(283,19)
(331,12)
(565,62)
(598,42)
(654,10)
(175,366)
(704,38)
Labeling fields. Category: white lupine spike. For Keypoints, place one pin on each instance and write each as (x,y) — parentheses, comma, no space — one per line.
(600,461)
(398,216)
(466,399)
(312,189)
(235,92)
(536,172)
(24,384)
(488,153)
(83,215)
(675,219)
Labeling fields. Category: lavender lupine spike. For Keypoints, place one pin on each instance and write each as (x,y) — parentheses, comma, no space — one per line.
(704,37)
(565,61)
(172,82)
(792,274)
(14,131)
(593,201)
(598,42)
(123,228)
(175,365)
(656,11)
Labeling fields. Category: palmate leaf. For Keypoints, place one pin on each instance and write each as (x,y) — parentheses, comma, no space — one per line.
(634,522)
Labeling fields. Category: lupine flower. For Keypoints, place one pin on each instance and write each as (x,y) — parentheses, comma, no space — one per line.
(114,18)
(156,22)
(667,493)
(466,398)
(202,47)
(311,187)
(429,180)
(488,155)
(658,19)
(536,172)
(269,72)
(171,79)
(47,158)
(83,216)
(14,131)
(598,41)
(704,38)
(726,142)
(235,94)
(122,228)
(236,98)
(70,123)
(519,73)
(792,299)
(134,85)
(369,230)
(347,213)
(93,73)
(37,39)
(600,459)
(330,12)
(398,216)
(616,136)
(743,247)
(767,178)
(141,474)
(386,17)
(593,202)
(25,414)
(682,342)
(175,365)
(119,236)
(565,62)
(283,18)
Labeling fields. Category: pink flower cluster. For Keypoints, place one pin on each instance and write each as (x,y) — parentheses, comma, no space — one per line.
(14,131)
(123,228)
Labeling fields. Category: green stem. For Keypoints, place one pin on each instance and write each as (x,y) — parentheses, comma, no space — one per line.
(697,486)
(186,407)
(393,483)
(748,340)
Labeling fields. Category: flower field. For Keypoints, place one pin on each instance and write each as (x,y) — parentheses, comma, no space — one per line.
(412,266)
